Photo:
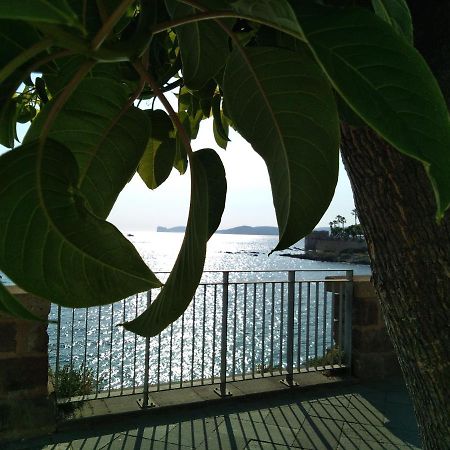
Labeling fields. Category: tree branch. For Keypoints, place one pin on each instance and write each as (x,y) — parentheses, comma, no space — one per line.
(108,26)
(173,115)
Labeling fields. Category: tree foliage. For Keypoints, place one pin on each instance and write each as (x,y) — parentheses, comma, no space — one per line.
(282,73)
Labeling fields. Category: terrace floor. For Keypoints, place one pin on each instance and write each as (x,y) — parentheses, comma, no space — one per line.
(261,414)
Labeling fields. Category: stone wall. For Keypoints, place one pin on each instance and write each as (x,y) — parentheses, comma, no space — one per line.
(27,407)
(373,355)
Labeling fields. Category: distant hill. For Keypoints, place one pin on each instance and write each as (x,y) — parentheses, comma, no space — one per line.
(243,229)
(171,230)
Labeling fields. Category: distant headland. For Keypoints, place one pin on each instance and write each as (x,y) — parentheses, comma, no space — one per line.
(243,229)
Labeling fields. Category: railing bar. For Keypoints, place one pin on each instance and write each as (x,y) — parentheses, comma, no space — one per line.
(254,331)
(182,351)
(272,325)
(332,312)
(280,361)
(123,347)
(244,331)
(299,326)
(170,355)
(233,373)
(85,343)
(71,339)
(193,342)
(204,332)
(97,379)
(214,337)
(158,375)
(341,313)
(111,348)
(324,327)
(58,345)
(308,310)
(135,345)
(316,325)
(263,333)
(145,396)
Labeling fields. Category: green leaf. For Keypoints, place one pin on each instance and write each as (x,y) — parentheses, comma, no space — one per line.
(220,141)
(207,204)
(107,143)
(8,116)
(387,83)
(283,105)
(181,160)
(396,13)
(220,126)
(50,243)
(157,162)
(276,13)
(203,45)
(10,305)
(48,11)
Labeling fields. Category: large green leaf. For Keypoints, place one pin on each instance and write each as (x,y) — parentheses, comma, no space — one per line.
(396,13)
(387,83)
(207,204)
(283,105)
(50,244)
(203,45)
(157,162)
(48,11)
(106,143)
(276,13)
(10,305)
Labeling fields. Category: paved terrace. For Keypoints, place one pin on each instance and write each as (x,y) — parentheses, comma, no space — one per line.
(261,414)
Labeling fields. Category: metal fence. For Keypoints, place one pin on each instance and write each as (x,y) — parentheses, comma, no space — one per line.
(240,325)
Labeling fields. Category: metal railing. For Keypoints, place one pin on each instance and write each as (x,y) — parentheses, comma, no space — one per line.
(236,328)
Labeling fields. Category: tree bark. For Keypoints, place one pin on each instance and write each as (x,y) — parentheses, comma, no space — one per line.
(409,250)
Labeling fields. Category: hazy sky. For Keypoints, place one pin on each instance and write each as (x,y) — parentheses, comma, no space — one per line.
(249,199)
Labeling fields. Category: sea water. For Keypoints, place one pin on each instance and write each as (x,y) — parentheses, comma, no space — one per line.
(116,358)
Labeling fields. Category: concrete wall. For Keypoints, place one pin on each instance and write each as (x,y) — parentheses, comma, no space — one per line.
(326,244)
(373,355)
(27,406)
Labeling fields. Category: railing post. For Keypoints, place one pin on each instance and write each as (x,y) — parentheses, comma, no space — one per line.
(222,390)
(289,380)
(58,345)
(348,318)
(145,402)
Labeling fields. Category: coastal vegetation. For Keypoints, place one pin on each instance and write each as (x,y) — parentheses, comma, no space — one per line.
(299,80)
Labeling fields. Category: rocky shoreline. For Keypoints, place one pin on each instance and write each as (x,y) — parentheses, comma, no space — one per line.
(351,257)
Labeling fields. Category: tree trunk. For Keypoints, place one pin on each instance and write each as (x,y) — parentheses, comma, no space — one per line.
(410,257)
(409,251)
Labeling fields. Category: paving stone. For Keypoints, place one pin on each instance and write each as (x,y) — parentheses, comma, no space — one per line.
(291,415)
(193,433)
(129,442)
(318,433)
(236,433)
(261,445)
(371,433)
(359,444)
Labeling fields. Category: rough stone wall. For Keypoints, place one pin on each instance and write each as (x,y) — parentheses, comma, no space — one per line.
(27,408)
(373,355)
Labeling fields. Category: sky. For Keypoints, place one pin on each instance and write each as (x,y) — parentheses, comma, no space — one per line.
(249,198)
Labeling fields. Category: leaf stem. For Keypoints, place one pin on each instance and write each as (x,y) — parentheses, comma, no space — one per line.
(110,23)
(23,57)
(206,14)
(162,98)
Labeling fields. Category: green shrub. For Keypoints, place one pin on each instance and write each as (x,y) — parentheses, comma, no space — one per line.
(332,356)
(73,382)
